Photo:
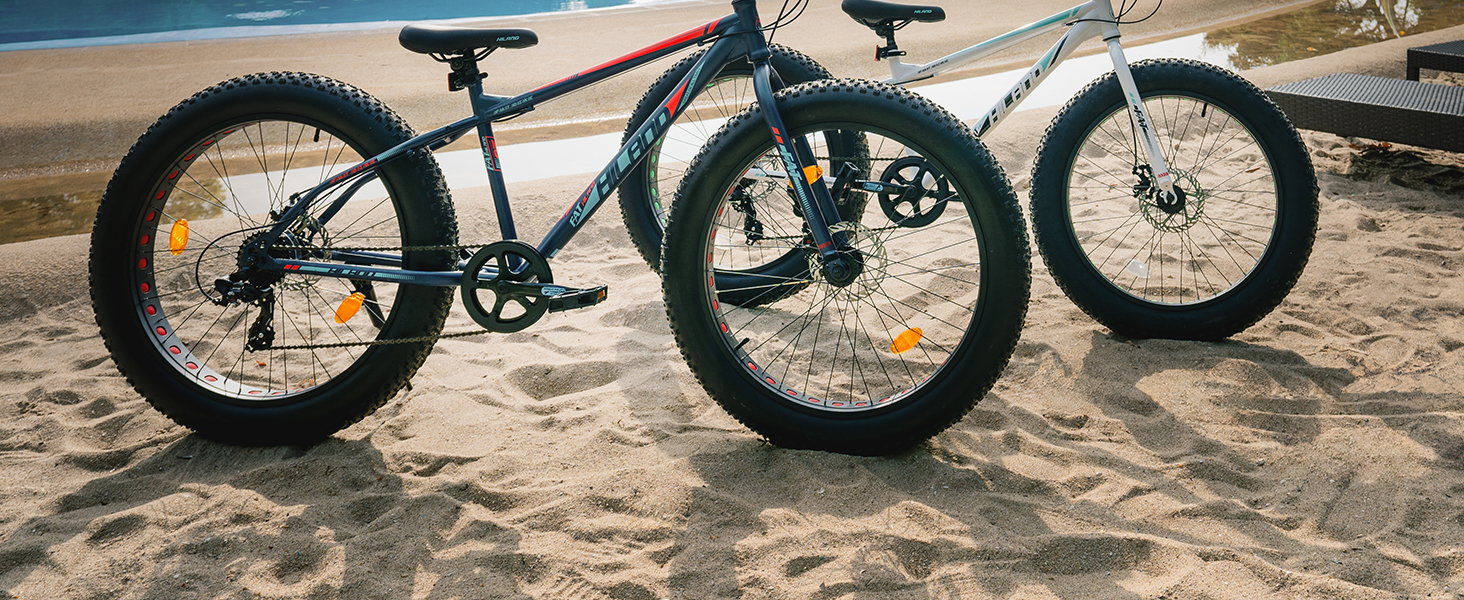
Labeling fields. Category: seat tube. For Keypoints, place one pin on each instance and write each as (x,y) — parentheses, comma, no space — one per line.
(492,164)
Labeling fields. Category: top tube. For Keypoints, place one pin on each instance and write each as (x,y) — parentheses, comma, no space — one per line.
(1085,13)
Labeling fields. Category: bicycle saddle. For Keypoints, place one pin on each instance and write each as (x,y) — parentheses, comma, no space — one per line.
(877,13)
(447,39)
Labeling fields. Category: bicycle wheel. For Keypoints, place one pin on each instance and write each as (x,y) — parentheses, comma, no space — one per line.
(1205,269)
(645,196)
(200,184)
(875,362)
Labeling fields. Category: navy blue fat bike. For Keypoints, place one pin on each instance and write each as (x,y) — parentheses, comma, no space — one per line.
(276,256)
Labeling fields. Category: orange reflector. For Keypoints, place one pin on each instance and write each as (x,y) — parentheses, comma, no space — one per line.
(349,306)
(812,172)
(906,340)
(178,238)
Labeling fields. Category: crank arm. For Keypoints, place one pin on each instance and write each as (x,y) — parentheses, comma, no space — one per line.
(560,298)
(881,187)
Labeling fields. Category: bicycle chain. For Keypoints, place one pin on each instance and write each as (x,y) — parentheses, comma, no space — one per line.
(424,338)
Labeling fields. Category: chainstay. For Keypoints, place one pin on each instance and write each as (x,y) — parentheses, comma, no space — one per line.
(411,340)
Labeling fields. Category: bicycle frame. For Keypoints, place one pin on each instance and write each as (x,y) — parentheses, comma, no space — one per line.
(1092,19)
(738,33)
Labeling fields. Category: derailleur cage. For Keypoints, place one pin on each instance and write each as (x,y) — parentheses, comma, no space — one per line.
(261,332)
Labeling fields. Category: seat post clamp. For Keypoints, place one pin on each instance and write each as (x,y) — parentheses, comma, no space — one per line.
(464,72)
(460,81)
(887,31)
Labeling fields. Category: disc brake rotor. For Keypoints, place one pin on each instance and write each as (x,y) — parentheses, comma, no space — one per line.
(873,262)
(1179,218)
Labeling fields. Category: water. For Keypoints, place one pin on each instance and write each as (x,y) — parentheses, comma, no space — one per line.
(1328,27)
(32,24)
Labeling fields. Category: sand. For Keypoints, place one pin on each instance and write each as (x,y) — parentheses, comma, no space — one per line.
(1319,454)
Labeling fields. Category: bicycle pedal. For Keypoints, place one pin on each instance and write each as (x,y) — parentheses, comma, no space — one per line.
(571,298)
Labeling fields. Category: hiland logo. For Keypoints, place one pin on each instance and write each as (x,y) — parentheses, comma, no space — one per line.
(1139,112)
(615,171)
(1023,86)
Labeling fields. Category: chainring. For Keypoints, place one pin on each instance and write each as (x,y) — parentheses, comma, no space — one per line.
(904,209)
(515,262)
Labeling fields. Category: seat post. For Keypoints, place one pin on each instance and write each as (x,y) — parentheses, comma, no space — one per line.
(886,30)
(464,73)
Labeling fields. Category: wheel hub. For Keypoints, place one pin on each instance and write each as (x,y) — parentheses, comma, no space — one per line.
(1176,214)
(859,269)
(845,269)
(1171,203)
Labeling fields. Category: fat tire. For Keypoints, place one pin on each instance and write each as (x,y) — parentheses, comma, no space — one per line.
(422,206)
(1273,275)
(950,392)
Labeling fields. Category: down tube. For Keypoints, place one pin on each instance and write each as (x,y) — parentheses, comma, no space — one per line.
(1034,77)
(636,147)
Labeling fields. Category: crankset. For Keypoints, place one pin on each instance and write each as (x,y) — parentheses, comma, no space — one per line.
(521,285)
(913,194)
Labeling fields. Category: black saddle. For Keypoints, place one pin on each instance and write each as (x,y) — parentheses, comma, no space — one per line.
(877,13)
(447,39)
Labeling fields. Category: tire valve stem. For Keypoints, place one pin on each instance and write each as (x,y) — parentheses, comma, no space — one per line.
(349,306)
(178,237)
(905,341)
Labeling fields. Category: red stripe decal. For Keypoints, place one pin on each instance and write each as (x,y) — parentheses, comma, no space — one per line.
(675,99)
(663,44)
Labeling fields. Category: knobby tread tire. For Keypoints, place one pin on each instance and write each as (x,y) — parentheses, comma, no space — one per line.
(1232,311)
(962,382)
(425,209)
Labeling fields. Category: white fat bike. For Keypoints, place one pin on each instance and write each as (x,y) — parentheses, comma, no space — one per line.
(1170,198)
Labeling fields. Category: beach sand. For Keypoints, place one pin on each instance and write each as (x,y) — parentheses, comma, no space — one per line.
(1319,454)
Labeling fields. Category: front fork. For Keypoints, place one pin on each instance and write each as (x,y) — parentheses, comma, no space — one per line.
(1168,195)
(812,194)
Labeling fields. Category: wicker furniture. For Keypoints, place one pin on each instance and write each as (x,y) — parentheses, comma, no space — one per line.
(1448,56)
(1394,110)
